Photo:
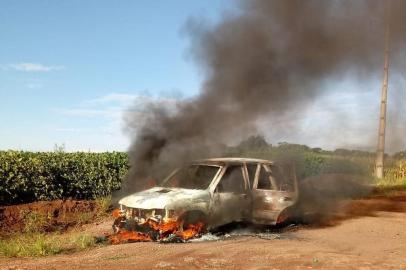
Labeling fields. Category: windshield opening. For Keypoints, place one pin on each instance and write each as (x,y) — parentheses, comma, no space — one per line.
(192,177)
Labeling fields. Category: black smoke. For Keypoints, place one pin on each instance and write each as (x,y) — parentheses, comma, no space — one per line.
(269,58)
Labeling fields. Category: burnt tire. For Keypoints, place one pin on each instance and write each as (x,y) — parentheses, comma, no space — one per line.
(194,217)
(117,224)
(287,216)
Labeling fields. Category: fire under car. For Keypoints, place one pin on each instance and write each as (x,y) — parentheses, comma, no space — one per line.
(211,193)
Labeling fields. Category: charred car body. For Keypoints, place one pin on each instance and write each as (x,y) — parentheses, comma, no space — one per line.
(213,192)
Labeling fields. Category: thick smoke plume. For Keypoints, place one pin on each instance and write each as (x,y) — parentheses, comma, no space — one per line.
(270,58)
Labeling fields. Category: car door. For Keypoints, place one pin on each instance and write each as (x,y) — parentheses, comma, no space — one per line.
(230,198)
(274,190)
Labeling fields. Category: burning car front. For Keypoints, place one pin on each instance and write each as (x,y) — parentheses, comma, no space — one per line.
(160,211)
(178,208)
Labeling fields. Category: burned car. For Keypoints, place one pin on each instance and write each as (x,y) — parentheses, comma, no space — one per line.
(209,193)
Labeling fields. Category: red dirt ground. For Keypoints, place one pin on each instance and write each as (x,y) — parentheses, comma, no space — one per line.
(366,234)
(59,213)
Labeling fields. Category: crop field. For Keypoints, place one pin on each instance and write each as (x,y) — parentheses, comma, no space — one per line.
(27,177)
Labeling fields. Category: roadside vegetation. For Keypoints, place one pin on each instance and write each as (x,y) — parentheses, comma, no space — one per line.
(37,239)
(41,234)
(395,175)
(41,244)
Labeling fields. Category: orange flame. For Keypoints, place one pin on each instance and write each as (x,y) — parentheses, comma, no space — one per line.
(162,230)
(168,226)
(191,231)
(116,213)
(124,236)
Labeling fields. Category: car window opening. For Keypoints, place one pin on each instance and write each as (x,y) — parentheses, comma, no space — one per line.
(232,180)
(266,180)
(272,178)
(192,177)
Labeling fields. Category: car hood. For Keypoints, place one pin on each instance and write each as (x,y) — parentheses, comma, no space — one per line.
(160,197)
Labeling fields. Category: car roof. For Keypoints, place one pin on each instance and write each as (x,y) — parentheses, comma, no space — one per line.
(232,160)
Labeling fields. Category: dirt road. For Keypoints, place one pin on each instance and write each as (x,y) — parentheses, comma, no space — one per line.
(372,237)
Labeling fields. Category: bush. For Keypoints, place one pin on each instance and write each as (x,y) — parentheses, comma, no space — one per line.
(27,177)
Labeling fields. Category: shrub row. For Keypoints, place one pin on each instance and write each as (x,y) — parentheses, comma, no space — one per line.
(28,176)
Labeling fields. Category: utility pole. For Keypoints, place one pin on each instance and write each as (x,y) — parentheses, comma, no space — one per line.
(380,153)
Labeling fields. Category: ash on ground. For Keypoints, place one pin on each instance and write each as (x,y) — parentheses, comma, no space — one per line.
(235,231)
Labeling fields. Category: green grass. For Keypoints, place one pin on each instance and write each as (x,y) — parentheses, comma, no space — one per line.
(84,218)
(34,222)
(41,244)
(395,175)
(83,241)
(30,245)
(117,257)
(103,205)
(391,182)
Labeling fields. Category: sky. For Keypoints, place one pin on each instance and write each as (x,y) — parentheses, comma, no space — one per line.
(69,71)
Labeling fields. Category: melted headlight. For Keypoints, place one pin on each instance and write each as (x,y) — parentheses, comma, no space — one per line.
(142,215)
